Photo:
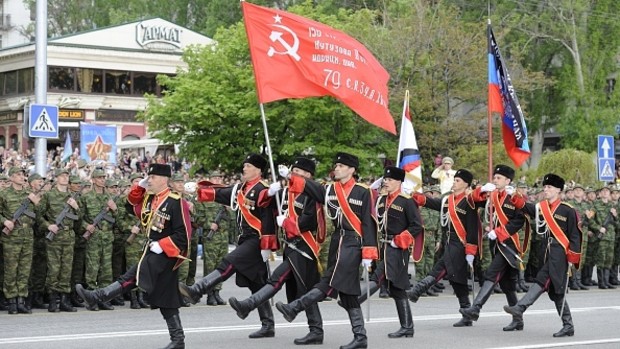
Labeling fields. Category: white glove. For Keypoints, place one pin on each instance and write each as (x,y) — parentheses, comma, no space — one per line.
(510,190)
(280,219)
(274,188)
(283,171)
(144,183)
(393,244)
(487,188)
(366,263)
(265,254)
(491,235)
(470,260)
(155,248)
(376,184)
(570,265)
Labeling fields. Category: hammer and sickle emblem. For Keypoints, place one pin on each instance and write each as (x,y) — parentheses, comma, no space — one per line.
(291,50)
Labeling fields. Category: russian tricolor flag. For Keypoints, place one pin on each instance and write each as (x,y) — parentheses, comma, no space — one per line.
(408,153)
(503,100)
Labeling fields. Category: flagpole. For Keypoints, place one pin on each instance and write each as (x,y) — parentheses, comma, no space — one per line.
(405,105)
(489,113)
(273,169)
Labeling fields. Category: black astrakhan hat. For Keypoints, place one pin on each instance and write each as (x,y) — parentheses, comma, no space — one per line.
(160,170)
(305,164)
(256,161)
(394,173)
(505,171)
(464,175)
(554,181)
(347,159)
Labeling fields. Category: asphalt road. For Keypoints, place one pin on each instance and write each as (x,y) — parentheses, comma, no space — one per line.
(596,314)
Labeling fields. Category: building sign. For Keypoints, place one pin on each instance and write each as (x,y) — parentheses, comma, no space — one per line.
(116,115)
(70,115)
(158,35)
(8,118)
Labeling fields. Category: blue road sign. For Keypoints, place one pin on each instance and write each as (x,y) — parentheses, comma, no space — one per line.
(43,122)
(606,159)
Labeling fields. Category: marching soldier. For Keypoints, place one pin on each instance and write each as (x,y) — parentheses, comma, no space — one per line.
(432,236)
(256,242)
(580,206)
(399,224)
(61,246)
(304,231)
(354,241)
(95,203)
(164,217)
(506,262)
(603,225)
(558,222)
(134,246)
(17,239)
(459,216)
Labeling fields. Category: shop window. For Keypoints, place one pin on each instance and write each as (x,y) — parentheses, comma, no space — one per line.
(2,142)
(25,83)
(118,82)
(14,142)
(144,83)
(10,82)
(89,80)
(2,75)
(61,78)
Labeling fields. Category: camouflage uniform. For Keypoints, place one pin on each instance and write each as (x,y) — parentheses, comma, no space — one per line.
(79,248)
(38,271)
(193,249)
(99,246)
(217,248)
(604,257)
(581,274)
(60,248)
(432,233)
(17,246)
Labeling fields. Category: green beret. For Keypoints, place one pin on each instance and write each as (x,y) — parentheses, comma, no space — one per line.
(75,180)
(111,183)
(97,173)
(15,169)
(33,177)
(60,171)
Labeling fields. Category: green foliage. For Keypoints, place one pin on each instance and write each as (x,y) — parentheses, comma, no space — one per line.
(475,159)
(570,164)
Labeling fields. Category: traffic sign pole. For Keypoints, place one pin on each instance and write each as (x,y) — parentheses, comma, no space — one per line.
(40,80)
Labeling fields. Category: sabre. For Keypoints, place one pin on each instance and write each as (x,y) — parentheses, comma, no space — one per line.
(294,247)
(473,284)
(565,290)
(367,294)
(268,275)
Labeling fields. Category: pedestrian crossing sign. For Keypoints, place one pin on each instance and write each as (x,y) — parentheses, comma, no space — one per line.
(43,121)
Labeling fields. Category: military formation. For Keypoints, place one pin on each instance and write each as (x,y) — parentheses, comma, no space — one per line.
(68,234)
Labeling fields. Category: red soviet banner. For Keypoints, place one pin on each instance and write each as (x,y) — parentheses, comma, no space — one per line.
(295,57)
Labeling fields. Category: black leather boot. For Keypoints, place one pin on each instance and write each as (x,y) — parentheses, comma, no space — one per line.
(606,276)
(244,307)
(218,299)
(579,278)
(133,300)
(211,299)
(315,323)
(530,297)
(420,287)
(175,329)
(517,321)
(141,300)
(599,277)
(65,303)
(613,275)
(572,283)
(12,306)
(21,306)
(405,318)
(76,301)
(521,281)
(383,293)
(360,341)
(473,312)
(118,301)
(464,304)
(53,305)
(291,310)
(99,296)
(267,329)
(201,287)
(37,301)
(567,320)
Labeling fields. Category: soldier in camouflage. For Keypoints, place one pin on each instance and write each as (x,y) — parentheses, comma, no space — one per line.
(134,246)
(60,247)
(432,234)
(603,225)
(17,240)
(215,249)
(39,255)
(591,239)
(121,233)
(580,205)
(79,248)
(613,276)
(99,246)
